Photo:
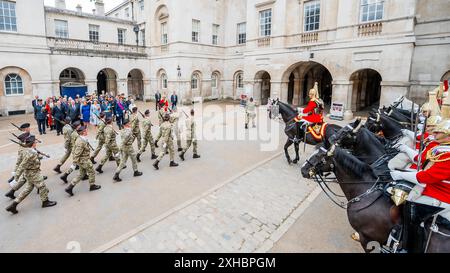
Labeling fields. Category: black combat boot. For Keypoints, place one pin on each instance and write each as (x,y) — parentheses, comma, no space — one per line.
(156,144)
(93,160)
(99,169)
(117,178)
(85,177)
(182,156)
(111,158)
(57,168)
(77,167)
(196,156)
(173,164)
(12,208)
(48,203)
(246,126)
(156,164)
(45,177)
(69,189)
(138,157)
(10,194)
(180,149)
(137,173)
(94,187)
(64,178)
(154,156)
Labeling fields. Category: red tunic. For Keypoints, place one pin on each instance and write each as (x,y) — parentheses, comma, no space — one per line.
(425,136)
(49,114)
(311,117)
(429,146)
(166,104)
(437,179)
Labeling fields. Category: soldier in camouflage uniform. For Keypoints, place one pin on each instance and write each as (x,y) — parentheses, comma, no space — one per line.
(161,113)
(135,126)
(174,118)
(17,184)
(24,128)
(73,138)
(190,136)
(100,137)
(250,113)
(112,150)
(127,151)
(166,136)
(67,133)
(30,169)
(147,136)
(80,155)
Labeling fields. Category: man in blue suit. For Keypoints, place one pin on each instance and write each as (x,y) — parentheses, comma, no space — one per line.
(40,114)
(120,112)
(174,100)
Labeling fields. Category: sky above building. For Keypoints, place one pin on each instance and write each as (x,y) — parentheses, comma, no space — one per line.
(86,4)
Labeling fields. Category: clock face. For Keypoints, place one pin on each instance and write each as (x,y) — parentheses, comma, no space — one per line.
(136,29)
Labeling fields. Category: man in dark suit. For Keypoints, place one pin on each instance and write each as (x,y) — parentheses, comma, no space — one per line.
(174,100)
(73,111)
(120,112)
(157,99)
(58,113)
(40,114)
(34,103)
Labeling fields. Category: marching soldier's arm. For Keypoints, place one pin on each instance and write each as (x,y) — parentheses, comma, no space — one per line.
(79,149)
(20,156)
(22,166)
(108,135)
(128,137)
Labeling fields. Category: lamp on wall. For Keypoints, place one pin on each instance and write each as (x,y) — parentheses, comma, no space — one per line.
(179,78)
(136,31)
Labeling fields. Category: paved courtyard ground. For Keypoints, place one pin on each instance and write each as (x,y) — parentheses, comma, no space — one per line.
(235,198)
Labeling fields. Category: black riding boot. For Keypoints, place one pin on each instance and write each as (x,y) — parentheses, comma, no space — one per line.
(12,208)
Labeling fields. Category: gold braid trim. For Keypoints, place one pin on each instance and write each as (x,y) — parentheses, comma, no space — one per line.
(436,158)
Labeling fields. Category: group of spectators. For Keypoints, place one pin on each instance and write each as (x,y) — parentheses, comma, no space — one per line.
(52,112)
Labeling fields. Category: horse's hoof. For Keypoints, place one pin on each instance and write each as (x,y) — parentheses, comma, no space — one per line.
(355,236)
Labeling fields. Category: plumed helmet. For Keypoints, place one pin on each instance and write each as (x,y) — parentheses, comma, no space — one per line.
(425,107)
(443,127)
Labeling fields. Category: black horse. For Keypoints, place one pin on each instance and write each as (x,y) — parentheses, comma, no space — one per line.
(293,131)
(370,212)
(391,128)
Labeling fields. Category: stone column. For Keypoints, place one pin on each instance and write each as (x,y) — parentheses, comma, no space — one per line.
(256,90)
(342,93)
(91,85)
(297,96)
(122,86)
(147,90)
(279,90)
(390,91)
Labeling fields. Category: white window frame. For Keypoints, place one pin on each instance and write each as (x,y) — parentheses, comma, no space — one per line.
(164,81)
(214,80)
(370,8)
(8,15)
(311,19)
(61,29)
(240,80)
(142,33)
(94,33)
(194,81)
(121,34)
(215,34)
(15,83)
(141,5)
(196,31)
(164,33)
(127,12)
(265,23)
(242,33)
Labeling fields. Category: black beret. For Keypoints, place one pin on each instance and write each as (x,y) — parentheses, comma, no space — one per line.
(126,121)
(25,126)
(81,129)
(147,112)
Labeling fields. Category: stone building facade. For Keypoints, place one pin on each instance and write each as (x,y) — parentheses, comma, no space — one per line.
(361,52)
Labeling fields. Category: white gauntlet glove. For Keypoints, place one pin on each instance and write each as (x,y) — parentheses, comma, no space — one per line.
(411,153)
(408,133)
(408,176)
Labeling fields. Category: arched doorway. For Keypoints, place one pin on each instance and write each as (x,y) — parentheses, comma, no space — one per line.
(107,81)
(71,75)
(16,91)
(136,84)
(262,87)
(302,76)
(446,76)
(196,84)
(366,89)
(238,84)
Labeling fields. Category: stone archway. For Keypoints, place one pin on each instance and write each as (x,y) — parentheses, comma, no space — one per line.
(136,84)
(15,98)
(301,77)
(262,88)
(238,84)
(107,81)
(216,85)
(446,76)
(366,89)
(71,75)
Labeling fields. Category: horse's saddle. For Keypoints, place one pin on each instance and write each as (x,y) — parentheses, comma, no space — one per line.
(317,131)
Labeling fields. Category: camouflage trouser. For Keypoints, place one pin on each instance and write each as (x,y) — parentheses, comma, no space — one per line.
(18,184)
(147,140)
(111,150)
(127,152)
(86,168)
(100,144)
(165,147)
(178,136)
(34,179)
(137,134)
(67,152)
(249,116)
(190,141)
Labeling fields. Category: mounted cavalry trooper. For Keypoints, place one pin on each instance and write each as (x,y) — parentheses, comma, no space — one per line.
(67,133)
(81,152)
(250,113)
(127,151)
(147,137)
(312,114)
(30,168)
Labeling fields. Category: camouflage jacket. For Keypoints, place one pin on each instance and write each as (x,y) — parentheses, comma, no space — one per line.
(31,162)
(135,123)
(20,156)
(81,151)
(165,130)
(190,127)
(101,131)
(67,132)
(110,135)
(73,137)
(127,137)
(147,126)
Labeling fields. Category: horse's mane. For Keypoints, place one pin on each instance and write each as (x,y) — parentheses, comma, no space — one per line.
(366,136)
(287,106)
(350,164)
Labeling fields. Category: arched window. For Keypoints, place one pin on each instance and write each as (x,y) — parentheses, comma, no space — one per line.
(164,82)
(240,80)
(13,85)
(214,80)
(194,81)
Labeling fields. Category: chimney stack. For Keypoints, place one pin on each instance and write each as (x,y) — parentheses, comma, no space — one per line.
(100,7)
(79,8)
(60,4)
